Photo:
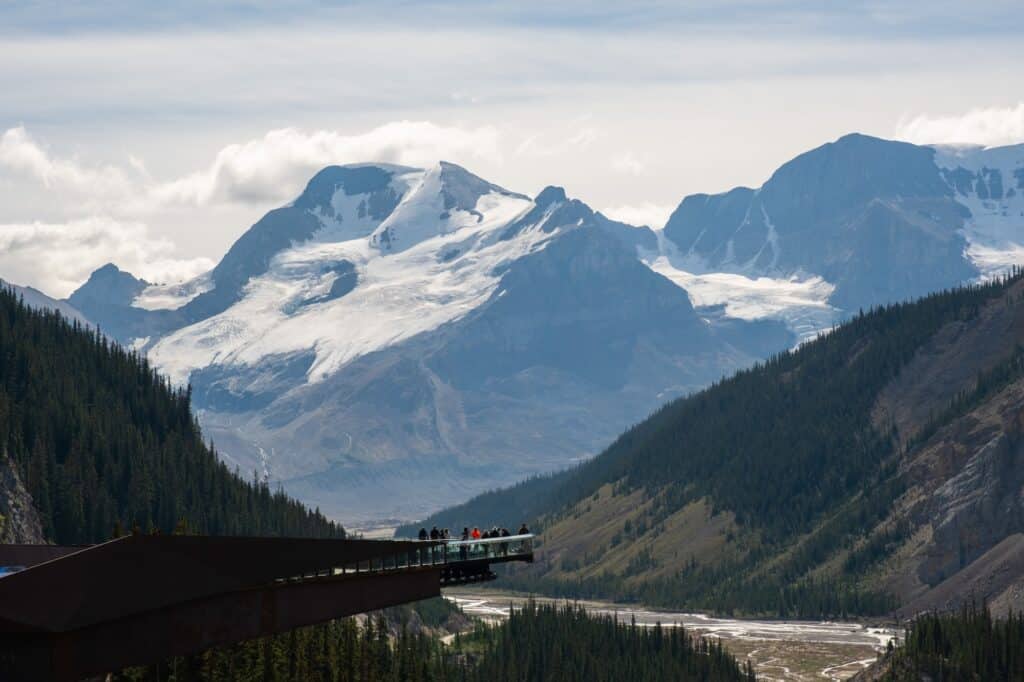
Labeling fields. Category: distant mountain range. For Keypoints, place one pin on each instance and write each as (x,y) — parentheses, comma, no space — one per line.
(398,339)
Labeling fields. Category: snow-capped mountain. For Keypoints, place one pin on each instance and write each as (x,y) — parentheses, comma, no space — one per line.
(397,339)
(876,220)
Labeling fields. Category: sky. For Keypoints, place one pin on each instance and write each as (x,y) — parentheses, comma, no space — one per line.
(152,135)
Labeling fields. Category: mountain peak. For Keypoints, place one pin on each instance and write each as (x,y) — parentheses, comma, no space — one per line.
(106,270)
(550,195)
(462,189)
(858,138)
(108,285)
(853,169)
(445,199)
(111,273)
(351,180)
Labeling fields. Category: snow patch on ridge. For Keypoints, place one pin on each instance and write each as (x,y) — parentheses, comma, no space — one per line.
(172,296)
(995,229)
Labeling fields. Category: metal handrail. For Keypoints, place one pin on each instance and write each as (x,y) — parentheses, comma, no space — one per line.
(485,541)
(440,553)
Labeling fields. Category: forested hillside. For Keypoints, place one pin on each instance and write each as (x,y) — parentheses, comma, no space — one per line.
(801,486)
(536,643)
(102,441)
(965,645)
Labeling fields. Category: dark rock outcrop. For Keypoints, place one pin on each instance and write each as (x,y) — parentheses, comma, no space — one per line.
(19,520)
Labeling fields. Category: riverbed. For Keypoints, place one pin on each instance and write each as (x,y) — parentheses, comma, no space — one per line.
(779,649)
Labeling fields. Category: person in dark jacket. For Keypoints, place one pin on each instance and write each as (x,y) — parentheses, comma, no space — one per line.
(422,552)
(435,534)
(504,546)
(464,548)
(523,530)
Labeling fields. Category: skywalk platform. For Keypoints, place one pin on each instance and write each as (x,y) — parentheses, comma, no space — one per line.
(72,612)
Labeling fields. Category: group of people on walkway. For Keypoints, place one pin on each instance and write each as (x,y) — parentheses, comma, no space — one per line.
(467,534)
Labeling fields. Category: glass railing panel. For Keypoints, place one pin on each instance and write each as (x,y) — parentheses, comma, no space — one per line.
(446,552)
(484,548)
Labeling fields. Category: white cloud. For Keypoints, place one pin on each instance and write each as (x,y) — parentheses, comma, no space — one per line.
(992,126)
(629,164)
(20,153)
(650,214)
(58,257)
(275,166)
(269,168)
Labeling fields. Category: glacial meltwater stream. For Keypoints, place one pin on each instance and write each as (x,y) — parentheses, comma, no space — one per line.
(779,649)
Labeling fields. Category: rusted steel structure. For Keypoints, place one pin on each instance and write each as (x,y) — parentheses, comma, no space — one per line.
(74,612)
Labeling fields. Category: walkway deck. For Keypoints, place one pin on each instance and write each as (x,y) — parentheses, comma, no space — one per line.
(75,612)
(461,561)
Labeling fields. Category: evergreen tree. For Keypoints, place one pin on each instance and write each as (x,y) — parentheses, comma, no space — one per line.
(965,645)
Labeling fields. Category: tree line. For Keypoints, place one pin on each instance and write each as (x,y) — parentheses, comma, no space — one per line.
(965,645)
(538,642)
(105,444)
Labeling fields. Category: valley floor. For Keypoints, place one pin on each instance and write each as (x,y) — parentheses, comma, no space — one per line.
(779,649)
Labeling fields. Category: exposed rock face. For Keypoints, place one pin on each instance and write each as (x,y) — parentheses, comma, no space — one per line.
(965,499)
(976,508)
(966,502)
(19,520)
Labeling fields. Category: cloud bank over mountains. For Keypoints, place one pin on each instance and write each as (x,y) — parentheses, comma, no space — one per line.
(102,212)
(193,119)
(107,206)
(58,257)
(275,166)
(270,168)
(989,127)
